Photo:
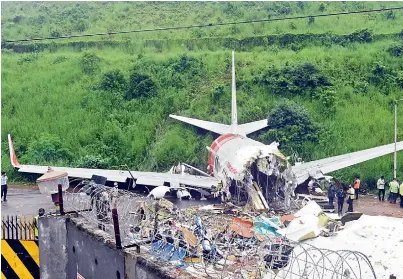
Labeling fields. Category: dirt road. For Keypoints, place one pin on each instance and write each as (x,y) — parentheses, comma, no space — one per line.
(370,205)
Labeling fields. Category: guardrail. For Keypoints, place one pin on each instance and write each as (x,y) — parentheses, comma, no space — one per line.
(18,227)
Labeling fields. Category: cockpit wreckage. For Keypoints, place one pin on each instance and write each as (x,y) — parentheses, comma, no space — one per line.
(266,181)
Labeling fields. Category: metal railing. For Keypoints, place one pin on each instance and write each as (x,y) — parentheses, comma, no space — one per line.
(18,227)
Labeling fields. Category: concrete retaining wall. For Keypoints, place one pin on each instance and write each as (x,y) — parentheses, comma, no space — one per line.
(68,245)
(90,258)
(52,247)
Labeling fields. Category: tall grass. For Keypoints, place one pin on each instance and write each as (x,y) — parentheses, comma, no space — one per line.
(48,92)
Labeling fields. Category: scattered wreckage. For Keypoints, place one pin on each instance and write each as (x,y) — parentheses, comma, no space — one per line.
(220,241)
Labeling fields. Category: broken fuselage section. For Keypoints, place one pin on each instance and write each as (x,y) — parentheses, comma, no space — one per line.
(252,172)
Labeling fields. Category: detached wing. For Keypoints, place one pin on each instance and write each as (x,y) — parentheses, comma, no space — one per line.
(143,178)
(330,164)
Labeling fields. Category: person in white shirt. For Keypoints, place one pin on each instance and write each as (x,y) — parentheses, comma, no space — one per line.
(4,185)
(381,188)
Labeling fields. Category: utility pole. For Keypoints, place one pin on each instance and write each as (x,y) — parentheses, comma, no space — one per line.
(395,154)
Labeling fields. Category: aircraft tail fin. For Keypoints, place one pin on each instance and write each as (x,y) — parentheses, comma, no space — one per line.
(234,115)
(221,129)
(13,157)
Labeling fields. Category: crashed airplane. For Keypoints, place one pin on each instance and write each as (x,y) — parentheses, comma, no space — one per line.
(240,169)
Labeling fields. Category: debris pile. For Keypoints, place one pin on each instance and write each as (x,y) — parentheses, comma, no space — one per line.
(220,241)
(266,181)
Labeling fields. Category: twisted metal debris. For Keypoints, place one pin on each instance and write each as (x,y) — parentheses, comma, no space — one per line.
(212,242)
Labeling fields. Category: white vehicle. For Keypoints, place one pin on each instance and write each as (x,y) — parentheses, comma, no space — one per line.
(161,191)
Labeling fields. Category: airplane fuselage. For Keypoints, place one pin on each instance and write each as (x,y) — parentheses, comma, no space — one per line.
(230,153)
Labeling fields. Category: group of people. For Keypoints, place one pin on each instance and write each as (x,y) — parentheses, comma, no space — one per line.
(394,190)
(351,193)
(340,194)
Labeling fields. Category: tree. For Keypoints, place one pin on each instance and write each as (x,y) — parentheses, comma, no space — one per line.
(291,125)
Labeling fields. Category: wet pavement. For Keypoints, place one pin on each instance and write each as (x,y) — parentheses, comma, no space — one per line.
(25,201)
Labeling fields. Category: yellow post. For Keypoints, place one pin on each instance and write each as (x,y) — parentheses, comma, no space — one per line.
(30,228)
(3,232)
(25,228)
(20,224)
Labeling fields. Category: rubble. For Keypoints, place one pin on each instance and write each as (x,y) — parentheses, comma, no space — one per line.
(266,181)
(218,241)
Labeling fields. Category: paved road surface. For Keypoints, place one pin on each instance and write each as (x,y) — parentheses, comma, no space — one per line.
(25,202)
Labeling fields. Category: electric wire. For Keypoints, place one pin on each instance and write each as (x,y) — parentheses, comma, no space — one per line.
(202,25)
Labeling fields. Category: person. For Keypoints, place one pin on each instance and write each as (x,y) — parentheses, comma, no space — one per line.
(331,194)
(41,212)
(381,188)
(4,185)
(341,194)
(401,195)
(351,197)
(394,189)
(357,183)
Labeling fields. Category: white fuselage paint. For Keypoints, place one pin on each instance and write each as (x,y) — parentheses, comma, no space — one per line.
(229,154)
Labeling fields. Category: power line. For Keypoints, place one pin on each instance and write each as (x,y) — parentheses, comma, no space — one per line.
(202,25)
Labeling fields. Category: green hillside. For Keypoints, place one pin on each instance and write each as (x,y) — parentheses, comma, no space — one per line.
(104,101)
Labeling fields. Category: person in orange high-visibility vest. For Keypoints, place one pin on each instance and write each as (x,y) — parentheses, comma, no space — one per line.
(357,183)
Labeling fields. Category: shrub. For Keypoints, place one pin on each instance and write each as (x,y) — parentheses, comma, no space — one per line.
(218,92)
(385,77)
(48,149)
(291,125)
(90,63)
(113,81)
(361,36)
(396,50)
(141,85)
(187,64)
(295,80)
(93,162)
(328,100)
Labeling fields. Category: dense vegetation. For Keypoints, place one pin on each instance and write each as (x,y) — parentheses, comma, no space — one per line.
(105,101)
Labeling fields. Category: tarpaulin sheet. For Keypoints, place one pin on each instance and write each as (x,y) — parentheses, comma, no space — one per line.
(265,226)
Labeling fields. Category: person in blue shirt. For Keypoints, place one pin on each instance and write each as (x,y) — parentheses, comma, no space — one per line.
(331,194)
(341,195)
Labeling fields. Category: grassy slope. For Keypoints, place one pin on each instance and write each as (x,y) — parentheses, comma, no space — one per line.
(48,92)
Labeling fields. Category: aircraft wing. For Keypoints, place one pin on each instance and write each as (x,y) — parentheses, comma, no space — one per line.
(305,170)
(144,178)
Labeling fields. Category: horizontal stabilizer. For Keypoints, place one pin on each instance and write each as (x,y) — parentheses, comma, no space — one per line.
(206,125)
(251,127)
